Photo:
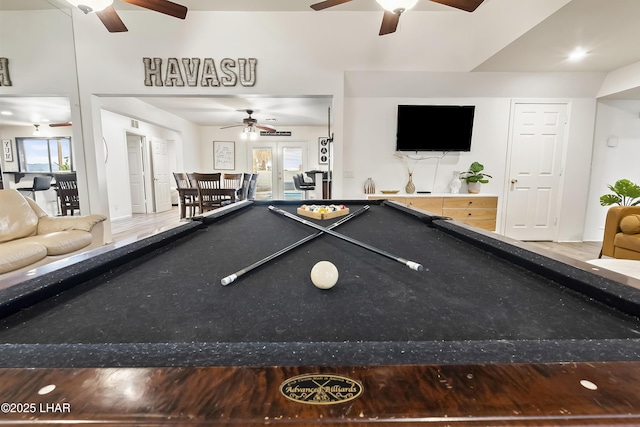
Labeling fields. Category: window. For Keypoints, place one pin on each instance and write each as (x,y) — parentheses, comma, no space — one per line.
(44,154)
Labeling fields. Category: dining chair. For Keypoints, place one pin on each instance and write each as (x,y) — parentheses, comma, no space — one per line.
(188,195)
(192,180)
(67,189)
(253,183)
(244,190)
(233,181)
(210,193)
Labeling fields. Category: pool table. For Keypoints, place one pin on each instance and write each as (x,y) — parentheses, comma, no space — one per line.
(488,333)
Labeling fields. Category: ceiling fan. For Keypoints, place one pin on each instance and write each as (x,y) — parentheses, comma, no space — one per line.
(395,8)
(110,18)
(251,123)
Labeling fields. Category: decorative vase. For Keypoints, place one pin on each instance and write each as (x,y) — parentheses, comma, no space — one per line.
(473,187)
(410,188)
(369,186)
(456,183)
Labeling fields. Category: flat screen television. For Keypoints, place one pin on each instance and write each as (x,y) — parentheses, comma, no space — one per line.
(434,127)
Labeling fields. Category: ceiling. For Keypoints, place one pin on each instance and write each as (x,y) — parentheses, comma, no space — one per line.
(607,29)
(34,110)
(223,5)
(226,111)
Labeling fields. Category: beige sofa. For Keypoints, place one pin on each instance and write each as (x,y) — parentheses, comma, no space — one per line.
(29,237)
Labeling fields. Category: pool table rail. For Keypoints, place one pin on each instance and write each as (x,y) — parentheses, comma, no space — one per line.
(562,394)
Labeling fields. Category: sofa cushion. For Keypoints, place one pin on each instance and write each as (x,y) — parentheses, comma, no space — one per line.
(17,219)
(628,241)
(63,242)
(20,253)
(630,224)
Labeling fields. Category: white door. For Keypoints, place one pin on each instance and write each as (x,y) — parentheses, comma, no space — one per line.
(276,163)
(161,182)
(535,170)
(136,174)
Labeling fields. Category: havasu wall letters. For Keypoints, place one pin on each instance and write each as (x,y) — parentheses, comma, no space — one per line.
(199,72)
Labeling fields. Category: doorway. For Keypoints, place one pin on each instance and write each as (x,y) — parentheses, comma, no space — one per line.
(149,184)
(136,161)
(276,163)
(537,141)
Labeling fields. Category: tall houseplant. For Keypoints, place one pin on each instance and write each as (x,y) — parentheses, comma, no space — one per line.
(474,177)
(626,193)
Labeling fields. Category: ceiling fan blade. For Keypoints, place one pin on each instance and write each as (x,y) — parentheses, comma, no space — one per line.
(111,20)
(163,6)
(267,128)
(328,3)
(389,23)
(467,5)
(56,125)
(232,126)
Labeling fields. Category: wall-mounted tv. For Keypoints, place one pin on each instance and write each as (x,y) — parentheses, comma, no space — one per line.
(434,127)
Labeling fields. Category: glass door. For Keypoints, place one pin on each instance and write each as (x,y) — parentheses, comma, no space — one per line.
(276,163)
(262,159)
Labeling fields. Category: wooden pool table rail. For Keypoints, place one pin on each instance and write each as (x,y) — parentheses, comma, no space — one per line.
(459,395)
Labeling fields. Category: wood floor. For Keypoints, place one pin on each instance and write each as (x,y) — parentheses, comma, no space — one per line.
(141,225)
(582,251)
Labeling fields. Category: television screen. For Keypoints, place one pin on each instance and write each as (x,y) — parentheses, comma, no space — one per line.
(434,127)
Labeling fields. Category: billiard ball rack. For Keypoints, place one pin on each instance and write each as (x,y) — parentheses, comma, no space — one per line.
(322,213)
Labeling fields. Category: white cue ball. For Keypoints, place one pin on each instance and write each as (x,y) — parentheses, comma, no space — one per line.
(324,275)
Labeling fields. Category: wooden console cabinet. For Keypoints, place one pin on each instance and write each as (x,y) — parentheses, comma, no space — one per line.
(479,211)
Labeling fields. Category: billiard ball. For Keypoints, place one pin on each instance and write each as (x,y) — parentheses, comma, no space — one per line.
(324,275)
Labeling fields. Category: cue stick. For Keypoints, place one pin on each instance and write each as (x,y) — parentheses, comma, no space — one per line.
(232,277)
(412,265)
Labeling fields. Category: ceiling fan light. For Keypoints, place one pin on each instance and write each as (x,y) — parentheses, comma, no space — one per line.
(393,5)
(88,6)
(37,131)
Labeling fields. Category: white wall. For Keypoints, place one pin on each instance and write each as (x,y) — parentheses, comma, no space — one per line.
(115,128)
(39,46)
(620,80)
(619,120)
(370,146)
(578,157)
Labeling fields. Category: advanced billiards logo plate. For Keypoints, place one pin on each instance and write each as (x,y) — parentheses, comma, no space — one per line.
(320,389)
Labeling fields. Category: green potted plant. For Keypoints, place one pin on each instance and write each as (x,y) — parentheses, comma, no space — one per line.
(626,193)
(474,177)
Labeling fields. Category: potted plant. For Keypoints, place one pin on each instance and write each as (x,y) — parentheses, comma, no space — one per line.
(626,193)
(474,177)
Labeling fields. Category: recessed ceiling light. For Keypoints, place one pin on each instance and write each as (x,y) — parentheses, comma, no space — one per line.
(6,113)
(577,54)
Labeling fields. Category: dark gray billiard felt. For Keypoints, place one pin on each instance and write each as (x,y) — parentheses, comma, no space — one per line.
(168,306)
